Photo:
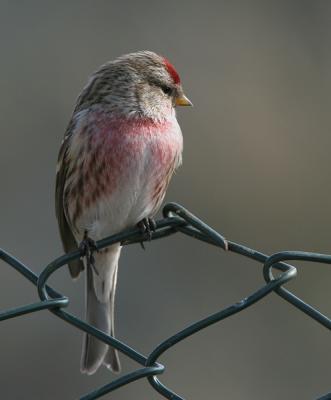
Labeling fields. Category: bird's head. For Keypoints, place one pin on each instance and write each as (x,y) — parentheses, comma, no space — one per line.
(137,84)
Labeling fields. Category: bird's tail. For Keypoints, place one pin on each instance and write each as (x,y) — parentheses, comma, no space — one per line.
(100,298)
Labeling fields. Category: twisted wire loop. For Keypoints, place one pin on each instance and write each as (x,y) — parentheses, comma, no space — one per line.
(176,219)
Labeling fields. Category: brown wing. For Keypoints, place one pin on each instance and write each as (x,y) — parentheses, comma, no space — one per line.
(67,237)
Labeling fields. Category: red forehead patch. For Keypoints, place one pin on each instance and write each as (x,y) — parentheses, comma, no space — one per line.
(171,69)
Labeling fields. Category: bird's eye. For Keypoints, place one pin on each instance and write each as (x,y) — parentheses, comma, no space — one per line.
(166,89)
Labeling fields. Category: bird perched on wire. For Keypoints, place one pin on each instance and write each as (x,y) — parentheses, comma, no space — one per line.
(118,154)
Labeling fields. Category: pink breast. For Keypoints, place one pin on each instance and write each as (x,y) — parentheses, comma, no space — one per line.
(115,146)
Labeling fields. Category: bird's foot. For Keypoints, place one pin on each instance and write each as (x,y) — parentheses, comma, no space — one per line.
(88,248)
(147,225)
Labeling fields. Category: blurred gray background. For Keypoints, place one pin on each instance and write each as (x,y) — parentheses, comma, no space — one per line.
(256,167)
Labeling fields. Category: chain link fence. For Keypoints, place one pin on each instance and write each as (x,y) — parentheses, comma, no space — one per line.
(176,220)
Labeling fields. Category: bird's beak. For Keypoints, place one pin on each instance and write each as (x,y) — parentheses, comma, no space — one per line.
(182,100)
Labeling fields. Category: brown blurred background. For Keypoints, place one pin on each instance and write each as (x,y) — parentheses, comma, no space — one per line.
(256,167)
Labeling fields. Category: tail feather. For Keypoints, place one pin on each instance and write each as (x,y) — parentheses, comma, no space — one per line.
(100,301)
(111,359)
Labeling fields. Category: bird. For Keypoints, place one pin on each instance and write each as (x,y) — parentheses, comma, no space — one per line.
(119,152)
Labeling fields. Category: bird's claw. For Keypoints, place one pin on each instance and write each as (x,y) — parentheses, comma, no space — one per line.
(148,226)
(88,247)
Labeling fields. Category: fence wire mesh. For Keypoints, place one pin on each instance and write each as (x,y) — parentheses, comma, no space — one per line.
(176,219)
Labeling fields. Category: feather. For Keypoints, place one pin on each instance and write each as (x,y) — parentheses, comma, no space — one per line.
(68,240)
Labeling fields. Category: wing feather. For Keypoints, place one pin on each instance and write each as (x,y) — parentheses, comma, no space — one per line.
(68,240)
